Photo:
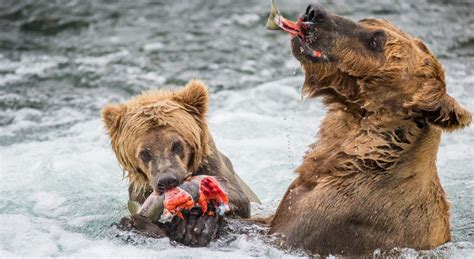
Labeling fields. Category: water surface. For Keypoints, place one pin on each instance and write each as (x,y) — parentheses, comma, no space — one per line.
(61,61)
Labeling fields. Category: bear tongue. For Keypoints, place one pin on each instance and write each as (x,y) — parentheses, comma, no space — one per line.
(291,27)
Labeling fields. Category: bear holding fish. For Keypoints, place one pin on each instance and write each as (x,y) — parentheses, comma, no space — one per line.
(369,181)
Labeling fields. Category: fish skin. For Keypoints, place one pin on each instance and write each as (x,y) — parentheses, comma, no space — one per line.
(153,207)
(133,207)
(274,15)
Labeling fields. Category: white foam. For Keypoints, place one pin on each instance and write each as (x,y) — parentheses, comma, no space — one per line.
(153,46)
(46,201)
(59,196)
(104,59)
(27,66)
(153,78)
(246,20)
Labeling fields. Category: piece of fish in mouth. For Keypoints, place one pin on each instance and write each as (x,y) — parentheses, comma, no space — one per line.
(152,208)
(196,191)
(276,21)
(274,14)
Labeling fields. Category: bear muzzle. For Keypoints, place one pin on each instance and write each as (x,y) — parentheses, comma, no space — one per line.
(166,181)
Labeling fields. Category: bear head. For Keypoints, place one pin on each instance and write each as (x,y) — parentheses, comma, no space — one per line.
(372,67)
(160,137)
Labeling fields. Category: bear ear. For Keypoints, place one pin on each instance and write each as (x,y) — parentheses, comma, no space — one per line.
(194,95)
(439,108)
(112,115)
(448,114)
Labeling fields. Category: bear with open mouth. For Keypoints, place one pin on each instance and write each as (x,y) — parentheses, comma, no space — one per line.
(370,180)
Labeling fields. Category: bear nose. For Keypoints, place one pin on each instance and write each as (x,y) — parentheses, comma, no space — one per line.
(166,182)
(315,13)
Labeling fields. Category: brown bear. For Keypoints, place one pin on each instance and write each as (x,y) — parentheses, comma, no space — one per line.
(370,180)
(160,138)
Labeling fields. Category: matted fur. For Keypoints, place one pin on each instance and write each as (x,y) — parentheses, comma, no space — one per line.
(370,179)
(148,120)
(407,79)
(184,111)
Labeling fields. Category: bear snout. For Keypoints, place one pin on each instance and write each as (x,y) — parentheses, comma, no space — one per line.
(166,181)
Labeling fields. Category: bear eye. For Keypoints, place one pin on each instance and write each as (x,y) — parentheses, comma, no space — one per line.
(177,148)
(376,40)
(145,156)
(373,43)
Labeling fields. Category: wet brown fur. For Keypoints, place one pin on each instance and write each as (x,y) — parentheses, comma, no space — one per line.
(370,179)
(166,112)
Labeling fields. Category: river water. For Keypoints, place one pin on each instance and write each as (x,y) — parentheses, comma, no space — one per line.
(61,61)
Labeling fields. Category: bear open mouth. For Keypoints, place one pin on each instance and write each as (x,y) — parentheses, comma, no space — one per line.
(301,45)
(296,30)
(298,36)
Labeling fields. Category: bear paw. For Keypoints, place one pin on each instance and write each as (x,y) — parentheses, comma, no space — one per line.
(196,229)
